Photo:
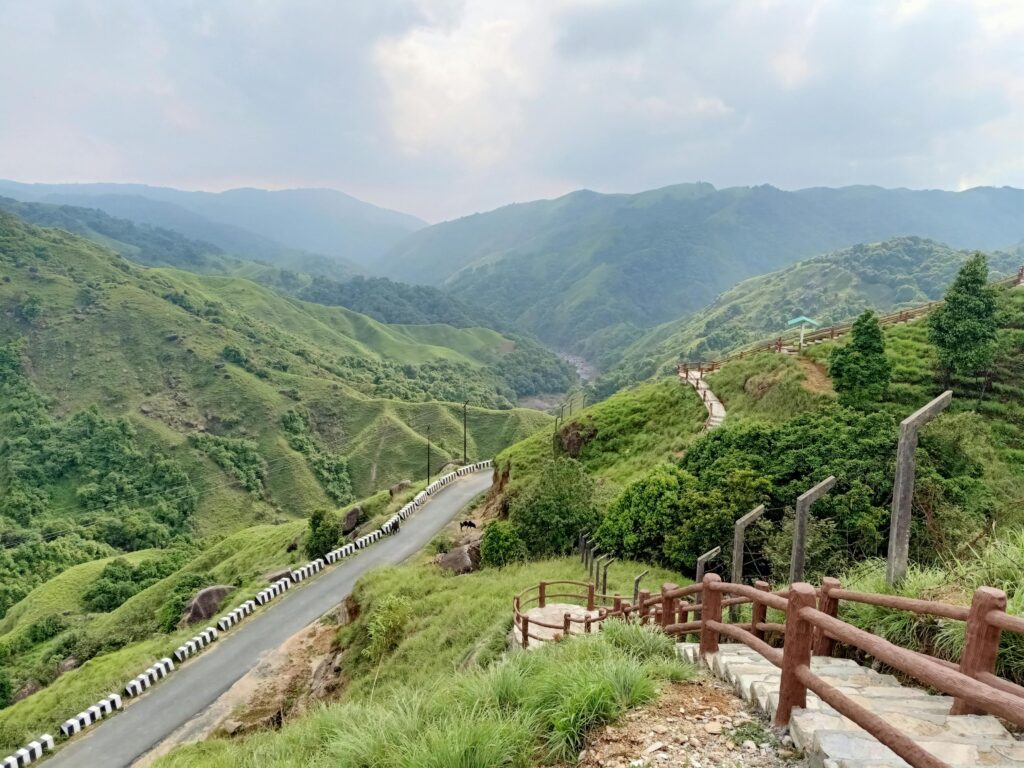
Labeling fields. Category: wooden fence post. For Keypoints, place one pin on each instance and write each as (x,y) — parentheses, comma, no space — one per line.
(617,603)
(796,652)
(982,644)
(903,487)
(542,589)
(803,510)
(739,538)
(526,630)
(702,562)
(759,611)
(712,611)
(590,596)
(566,623)
(826,604)
(644,596)
(668,605)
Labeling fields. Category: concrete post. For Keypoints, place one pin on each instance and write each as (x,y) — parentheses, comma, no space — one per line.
(739,538)
(636,587)
(903,486)
(803,509)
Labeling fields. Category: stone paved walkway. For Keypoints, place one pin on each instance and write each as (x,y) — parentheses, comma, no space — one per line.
(832,741)
(716,411)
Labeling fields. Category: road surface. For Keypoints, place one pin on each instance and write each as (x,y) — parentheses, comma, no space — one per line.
(119,741)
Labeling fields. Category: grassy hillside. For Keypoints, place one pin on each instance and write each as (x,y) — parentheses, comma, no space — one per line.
(590,272)
(616,440)
(831,288)
(440,693)
(142,405)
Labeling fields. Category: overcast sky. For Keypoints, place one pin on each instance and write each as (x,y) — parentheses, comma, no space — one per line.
(445,107)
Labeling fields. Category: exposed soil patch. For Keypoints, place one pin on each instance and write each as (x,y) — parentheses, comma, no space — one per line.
(702,724)
(815,379)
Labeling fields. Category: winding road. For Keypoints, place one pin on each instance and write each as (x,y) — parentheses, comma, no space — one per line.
(119,741)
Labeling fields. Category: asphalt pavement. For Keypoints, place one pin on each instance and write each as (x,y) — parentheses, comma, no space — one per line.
(190,689)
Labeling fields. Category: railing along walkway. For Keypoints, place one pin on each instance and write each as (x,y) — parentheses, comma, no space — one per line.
(806,679)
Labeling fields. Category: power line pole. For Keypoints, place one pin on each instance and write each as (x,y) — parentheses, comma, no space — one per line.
(465,458)
(428,455)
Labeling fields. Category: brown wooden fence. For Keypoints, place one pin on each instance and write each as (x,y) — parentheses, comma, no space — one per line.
(812,628)
(790,338)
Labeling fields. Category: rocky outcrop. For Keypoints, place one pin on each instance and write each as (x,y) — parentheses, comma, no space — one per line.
(461,559)
(351,520)
(398,487)
(206,603)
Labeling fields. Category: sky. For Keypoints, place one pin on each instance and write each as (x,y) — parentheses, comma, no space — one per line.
(442,108)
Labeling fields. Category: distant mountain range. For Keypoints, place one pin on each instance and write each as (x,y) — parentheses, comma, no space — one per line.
(309,230)
(831,288)
(591,272)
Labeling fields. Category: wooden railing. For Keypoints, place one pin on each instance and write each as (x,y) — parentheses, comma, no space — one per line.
(833,331)
(812,628)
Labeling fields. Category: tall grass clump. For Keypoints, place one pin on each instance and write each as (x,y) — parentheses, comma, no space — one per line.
(532,707)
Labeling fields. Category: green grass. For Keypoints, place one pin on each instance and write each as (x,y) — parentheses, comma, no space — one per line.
(766,386)
(628,434)
(447,695)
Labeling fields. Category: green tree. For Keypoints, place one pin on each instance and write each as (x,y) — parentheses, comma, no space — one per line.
(550,516)
(638,520)
(859,369)
(6,690)
(963,329)
(501,545)
(324,532)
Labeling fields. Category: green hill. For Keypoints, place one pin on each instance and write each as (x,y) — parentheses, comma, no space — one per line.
(832,288)
(590,272)
(143,405)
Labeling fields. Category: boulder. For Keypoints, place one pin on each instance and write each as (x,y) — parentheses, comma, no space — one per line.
(462,559)
(351,520)
(66,665)
(206,603)
(397,488)
(278,575)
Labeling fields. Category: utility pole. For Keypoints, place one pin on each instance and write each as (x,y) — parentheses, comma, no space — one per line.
(428,455)
(465,460)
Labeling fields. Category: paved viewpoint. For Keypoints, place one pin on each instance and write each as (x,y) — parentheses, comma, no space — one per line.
(118,742)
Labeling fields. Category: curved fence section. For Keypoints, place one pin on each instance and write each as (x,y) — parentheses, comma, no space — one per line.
(811,627)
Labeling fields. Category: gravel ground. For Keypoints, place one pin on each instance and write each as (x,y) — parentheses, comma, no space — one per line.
(702,724)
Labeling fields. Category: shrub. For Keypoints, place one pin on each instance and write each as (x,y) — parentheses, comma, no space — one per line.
(501,545)
(859,369)
(387,625)
(324,532)
(550,516)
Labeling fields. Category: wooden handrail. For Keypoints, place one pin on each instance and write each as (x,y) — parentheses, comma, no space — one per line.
(812,624)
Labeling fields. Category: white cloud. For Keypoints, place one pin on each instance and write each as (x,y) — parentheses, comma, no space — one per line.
(441,107)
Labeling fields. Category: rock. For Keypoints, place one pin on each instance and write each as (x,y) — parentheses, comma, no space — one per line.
(146,409)
(351,520)
(713,727)
(749,746)
(654,747)
(206,603)
(27,690)
(66,665)
(231,727)
(464,559)
(278,575)
(397,488)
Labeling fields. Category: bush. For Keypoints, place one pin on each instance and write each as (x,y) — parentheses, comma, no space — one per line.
(501,545)
(324,533)
(859,369)
(387,625)
(6,690)
(550,516)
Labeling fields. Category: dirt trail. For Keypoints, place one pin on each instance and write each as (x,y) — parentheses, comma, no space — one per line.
(816,379)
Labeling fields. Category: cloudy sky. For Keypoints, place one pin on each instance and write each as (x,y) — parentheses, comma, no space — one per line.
(445,107)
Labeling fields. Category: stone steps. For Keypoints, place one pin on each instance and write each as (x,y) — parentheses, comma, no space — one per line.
(831,740)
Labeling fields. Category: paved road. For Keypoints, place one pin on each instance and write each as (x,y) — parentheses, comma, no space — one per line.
(117,742)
